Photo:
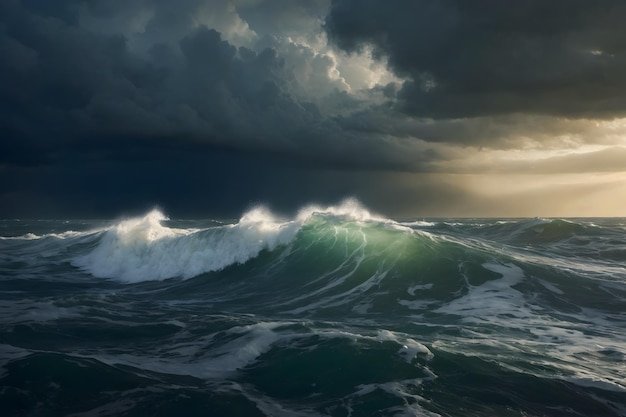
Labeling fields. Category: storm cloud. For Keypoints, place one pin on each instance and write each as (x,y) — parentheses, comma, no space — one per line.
(209,106)
(485,57)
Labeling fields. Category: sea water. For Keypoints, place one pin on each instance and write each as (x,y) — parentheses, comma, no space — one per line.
(332,312)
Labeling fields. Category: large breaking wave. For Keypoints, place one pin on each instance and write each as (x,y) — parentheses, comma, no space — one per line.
(141,249)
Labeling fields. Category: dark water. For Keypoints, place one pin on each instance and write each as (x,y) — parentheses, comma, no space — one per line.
(331,313)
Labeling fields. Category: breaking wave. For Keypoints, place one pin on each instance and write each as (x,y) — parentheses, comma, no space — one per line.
(141,249)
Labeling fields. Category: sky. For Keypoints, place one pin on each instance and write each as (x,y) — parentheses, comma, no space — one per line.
(417,108)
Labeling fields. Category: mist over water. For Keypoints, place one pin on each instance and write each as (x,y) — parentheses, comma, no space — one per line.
(332,312)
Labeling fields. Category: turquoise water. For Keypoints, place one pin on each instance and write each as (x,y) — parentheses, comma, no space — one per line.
(332,312)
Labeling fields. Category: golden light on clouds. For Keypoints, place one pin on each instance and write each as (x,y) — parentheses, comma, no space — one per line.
(554,195)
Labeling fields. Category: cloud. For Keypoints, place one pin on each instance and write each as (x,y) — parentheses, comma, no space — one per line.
(76,77)
(484,58)
(610,159)
(287,17)
(133,104)
(250,100)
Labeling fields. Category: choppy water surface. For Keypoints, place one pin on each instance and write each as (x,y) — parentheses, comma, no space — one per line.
(334,312)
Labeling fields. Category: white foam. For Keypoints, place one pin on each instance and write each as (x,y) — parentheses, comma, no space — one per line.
(256,339)
(244,345)
(419,223)
(411,290)
(410,348)
(142,249)
(494,298)
(349,209)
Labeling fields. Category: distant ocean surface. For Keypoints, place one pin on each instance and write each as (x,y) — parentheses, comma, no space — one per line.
(334,312)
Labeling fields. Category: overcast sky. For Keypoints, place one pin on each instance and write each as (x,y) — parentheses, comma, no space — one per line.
(464,108)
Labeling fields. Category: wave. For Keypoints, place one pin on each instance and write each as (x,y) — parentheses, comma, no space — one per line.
(142,249)
(339,252)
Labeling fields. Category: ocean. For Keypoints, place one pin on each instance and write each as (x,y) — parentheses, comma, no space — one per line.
(334,311)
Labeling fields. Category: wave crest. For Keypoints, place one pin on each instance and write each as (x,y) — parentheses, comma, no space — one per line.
(141,249)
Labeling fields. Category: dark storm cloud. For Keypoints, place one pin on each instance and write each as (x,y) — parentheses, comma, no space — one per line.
(66,86)
(508,131)
(67,81)
(93,119)
(268,16)
(486,57)
(208,106)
